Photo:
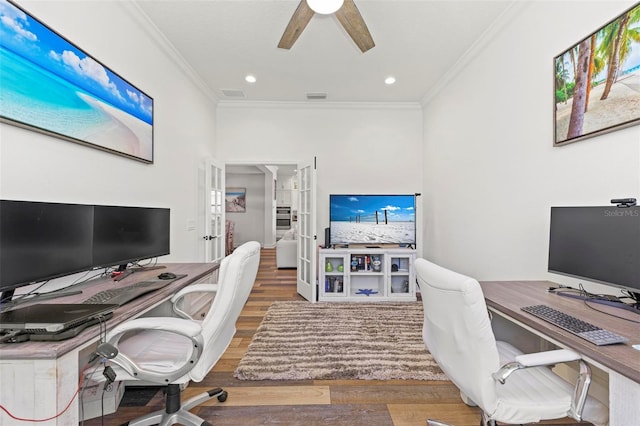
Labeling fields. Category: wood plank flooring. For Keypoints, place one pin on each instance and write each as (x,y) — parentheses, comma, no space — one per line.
(308,403)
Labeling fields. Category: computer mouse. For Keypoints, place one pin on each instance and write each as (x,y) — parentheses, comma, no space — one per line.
(167,276)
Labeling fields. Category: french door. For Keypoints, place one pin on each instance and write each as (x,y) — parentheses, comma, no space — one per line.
(213,209)
(307,239)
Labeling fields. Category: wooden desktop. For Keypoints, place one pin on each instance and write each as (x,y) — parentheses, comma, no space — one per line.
(621,361)
(38,379)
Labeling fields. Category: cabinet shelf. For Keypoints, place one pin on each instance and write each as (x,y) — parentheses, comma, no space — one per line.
(367,274)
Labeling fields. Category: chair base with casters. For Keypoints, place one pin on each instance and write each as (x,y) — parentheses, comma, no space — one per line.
(177,412)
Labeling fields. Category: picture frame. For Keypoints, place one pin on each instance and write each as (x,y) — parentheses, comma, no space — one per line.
(235,200)
(64,92)
(596,81)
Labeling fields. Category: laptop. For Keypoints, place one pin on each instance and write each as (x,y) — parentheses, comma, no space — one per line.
(53,317)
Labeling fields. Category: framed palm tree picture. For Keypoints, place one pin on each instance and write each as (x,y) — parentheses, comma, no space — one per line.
(597,81)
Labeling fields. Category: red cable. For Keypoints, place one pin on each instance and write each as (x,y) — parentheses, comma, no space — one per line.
(57,415)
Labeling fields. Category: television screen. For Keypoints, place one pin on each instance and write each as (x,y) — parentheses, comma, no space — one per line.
(372,219)
(128,234)
(601,244)
(41,241)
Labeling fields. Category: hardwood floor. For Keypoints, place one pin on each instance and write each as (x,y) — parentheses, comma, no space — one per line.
(338,402)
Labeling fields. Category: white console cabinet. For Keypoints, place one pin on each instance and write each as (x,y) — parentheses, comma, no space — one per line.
(366,274)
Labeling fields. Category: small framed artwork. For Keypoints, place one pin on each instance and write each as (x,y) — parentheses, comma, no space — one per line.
(235,200)
(597,81)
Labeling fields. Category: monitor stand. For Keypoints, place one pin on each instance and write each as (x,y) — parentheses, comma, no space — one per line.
(602,301)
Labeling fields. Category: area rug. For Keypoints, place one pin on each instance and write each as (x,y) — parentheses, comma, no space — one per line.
(314,341)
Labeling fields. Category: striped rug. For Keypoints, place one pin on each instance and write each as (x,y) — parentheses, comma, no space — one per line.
(313,341)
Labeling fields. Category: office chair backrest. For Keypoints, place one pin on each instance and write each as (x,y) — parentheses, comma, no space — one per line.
(457,331)
(234,287)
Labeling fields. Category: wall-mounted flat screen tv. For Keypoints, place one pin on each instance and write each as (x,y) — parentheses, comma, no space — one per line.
(51,86)
(372,219)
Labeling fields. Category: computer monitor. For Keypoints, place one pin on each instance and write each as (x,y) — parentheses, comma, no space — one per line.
(129,234)
(600,244)
(41,241)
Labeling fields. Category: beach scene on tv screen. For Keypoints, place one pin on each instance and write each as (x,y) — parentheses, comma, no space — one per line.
(53,86)
(372,219)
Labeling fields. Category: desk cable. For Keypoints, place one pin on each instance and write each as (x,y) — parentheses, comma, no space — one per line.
(78,389)
(590,298)
(103,352)
(33,294)
(590,305)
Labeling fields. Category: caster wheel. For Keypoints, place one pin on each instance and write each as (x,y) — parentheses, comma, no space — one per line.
(223,396)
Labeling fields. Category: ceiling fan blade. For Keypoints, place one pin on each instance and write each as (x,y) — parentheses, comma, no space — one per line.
(351,19)
(297,24)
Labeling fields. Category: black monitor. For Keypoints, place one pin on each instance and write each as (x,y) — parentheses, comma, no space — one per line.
(600,244)
(41,241)
(129,234)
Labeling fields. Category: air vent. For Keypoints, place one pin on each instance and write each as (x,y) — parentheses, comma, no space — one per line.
(316,96)
(233,93)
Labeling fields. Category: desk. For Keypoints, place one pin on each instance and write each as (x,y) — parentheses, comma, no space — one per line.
(621,362)
(38,379)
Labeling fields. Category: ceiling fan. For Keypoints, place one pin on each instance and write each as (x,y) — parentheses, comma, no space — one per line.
(348,15)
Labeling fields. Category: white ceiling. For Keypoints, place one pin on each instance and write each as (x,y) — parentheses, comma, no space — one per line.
(417,41)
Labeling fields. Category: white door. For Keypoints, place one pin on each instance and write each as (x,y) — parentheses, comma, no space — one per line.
(307,239)
(214,221)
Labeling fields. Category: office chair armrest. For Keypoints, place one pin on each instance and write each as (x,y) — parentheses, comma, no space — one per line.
(192,330)
(536,359)
(177,299)
(550,358)
(547,358)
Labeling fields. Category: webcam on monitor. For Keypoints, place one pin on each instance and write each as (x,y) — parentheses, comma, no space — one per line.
(624,202)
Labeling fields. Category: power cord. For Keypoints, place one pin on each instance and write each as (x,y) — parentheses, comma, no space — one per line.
(110,375)
(591,306)
(592,298)
(23,419)
(104,351)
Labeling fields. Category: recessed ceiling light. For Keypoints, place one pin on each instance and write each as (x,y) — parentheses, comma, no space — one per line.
(250,78)
(389,80)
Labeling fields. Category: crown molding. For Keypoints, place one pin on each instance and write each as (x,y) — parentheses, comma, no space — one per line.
(318,105)
(496,27)
(167,47)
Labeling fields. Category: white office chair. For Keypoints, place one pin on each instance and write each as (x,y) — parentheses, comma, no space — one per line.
(174,351)
(457,331)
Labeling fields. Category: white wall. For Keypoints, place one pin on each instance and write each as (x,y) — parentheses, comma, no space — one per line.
(359,148)
(42,168)
(250,225)
(491,172)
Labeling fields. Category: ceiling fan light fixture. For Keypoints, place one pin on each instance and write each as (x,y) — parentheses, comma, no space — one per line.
(325,7)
